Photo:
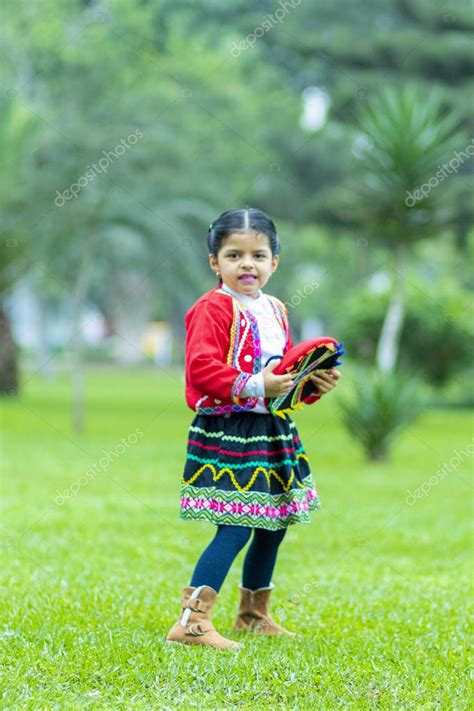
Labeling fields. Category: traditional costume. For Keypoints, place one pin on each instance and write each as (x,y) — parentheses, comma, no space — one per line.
(245,466)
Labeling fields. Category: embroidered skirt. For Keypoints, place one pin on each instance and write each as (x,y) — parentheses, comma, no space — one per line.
(247,469)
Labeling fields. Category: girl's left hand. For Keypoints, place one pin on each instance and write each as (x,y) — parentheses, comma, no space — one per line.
(325,380)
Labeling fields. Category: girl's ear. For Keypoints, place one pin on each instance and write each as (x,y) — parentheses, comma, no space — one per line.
(275,261)
(213,263)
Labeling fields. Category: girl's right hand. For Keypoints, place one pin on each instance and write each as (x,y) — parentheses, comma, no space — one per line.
(276,385)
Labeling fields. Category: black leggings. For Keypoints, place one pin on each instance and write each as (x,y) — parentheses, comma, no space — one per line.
(214,563)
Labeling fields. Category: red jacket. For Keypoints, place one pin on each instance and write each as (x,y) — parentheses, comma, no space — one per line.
(222,352)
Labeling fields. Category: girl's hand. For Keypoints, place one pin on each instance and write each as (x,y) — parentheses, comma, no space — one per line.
(276,385)
(325,380)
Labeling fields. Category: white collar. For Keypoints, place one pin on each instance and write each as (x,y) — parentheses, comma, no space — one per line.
(241,297)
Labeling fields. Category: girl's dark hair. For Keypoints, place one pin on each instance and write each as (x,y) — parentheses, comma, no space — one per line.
(236,220)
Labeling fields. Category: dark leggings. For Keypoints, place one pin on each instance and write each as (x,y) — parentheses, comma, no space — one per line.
(214,563)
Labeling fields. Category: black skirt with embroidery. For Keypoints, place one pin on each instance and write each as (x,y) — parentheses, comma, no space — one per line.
(247,469)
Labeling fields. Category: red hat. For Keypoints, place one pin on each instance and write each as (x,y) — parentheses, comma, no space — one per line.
(302,360)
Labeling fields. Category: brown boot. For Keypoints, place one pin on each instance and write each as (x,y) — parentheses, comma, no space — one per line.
(195,626)
(253,613)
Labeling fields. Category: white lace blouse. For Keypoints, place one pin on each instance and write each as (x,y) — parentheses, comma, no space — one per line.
(272,338)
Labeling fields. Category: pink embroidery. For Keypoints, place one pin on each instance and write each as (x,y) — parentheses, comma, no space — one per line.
(290,450)
(240,383)
(270,512)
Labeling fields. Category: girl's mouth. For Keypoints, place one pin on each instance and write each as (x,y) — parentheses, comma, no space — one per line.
(247,278)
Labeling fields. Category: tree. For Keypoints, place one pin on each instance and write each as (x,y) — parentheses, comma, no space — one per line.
(406,140)
(19,128)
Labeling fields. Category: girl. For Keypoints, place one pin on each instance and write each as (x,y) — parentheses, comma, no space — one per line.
(246,469)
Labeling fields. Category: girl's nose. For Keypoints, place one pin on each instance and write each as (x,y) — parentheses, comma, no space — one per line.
(247,262)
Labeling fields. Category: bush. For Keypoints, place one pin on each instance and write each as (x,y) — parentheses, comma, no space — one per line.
(382,404)
(436,334)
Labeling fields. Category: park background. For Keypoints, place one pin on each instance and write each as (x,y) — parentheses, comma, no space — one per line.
(127,127)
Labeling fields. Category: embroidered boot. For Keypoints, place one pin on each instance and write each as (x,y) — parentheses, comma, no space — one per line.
(194,625)
(253,613)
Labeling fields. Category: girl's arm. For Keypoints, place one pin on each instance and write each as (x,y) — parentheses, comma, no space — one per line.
(254,387)
(207,345)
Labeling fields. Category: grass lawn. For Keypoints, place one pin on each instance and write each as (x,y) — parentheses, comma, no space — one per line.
(378,588)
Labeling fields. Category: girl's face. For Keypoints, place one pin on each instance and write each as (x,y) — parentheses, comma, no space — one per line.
(245,262)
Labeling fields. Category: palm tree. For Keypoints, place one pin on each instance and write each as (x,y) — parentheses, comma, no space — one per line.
(406,140)
(403,143)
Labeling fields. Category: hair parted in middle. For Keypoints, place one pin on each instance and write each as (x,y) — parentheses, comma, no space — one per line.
(238,220)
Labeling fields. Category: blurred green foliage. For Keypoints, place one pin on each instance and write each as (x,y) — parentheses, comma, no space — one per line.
(384,403)
(436,338)
(220,131)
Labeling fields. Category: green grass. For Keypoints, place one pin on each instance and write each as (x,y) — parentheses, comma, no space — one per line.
(378,589)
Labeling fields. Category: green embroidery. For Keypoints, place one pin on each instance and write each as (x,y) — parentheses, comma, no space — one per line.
(258,498)
(233,438)
(283,462)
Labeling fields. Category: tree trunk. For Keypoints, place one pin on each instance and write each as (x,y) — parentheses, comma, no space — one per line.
(389,341)
(45,360)
(8,357)
(80,292)
(130,309)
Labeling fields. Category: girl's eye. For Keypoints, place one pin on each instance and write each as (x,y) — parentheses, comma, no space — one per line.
(234,255)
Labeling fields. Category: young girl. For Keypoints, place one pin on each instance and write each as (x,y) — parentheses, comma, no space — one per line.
(246,469)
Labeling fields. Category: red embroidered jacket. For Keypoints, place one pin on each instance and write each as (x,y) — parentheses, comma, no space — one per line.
(223,350)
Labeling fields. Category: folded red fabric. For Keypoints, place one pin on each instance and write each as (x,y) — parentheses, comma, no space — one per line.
(302,361)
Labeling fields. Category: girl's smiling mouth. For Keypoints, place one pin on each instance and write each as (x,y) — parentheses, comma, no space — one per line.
(247,277)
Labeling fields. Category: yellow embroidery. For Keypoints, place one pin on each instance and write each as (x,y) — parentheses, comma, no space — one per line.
(235,316)
(216,475)
(302,456)
(289,410)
